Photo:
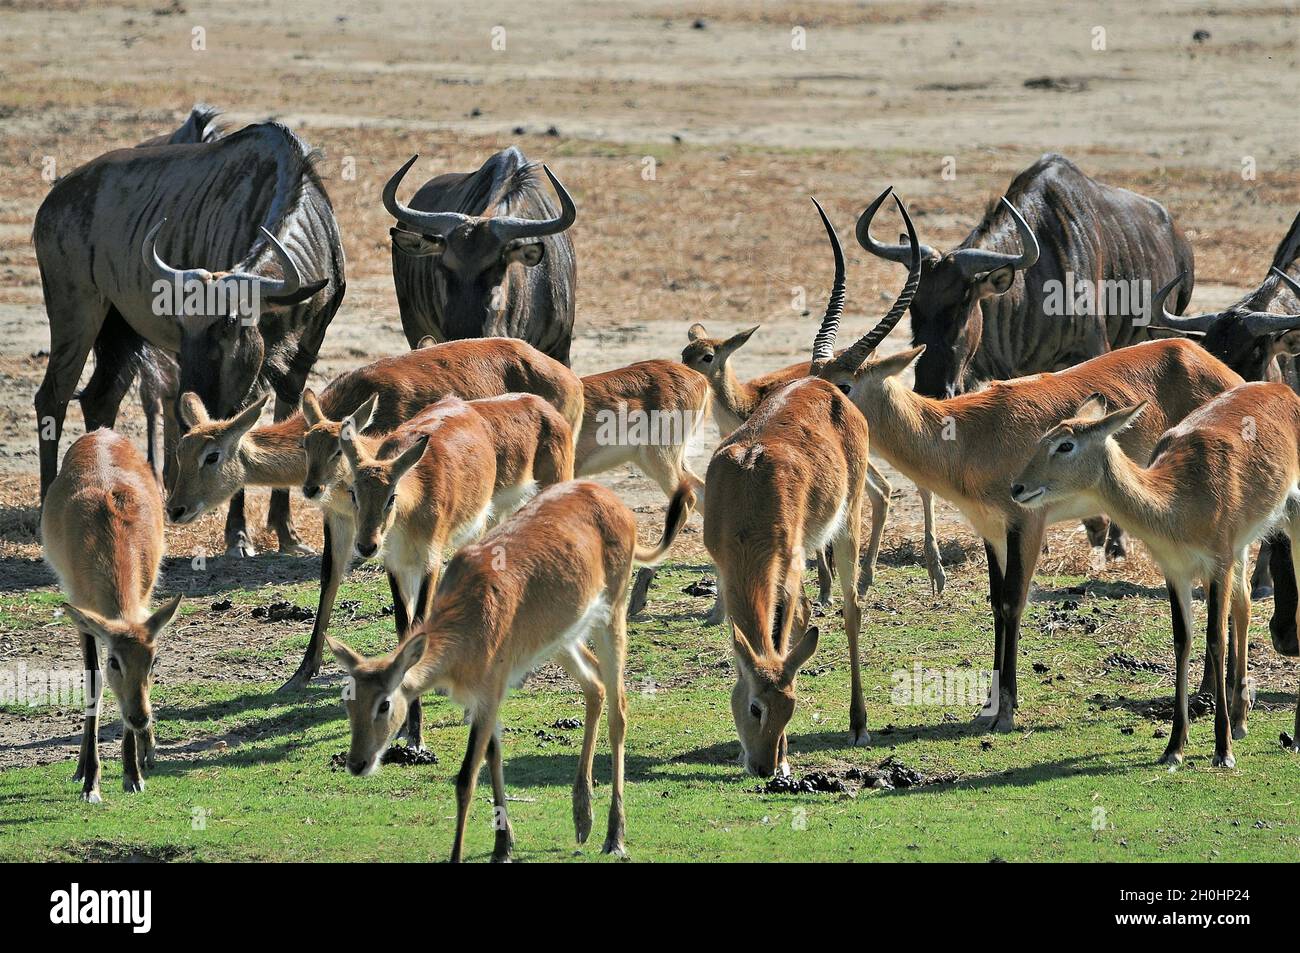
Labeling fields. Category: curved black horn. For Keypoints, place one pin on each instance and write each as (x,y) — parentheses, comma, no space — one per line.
(1163,318)
(427,223)
(824,342)
(508,229)
(901,254)
(977,261)
(862,349)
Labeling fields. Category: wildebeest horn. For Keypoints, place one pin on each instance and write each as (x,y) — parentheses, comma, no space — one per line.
(507,228)
(1259,323)
(862,349)
(429,223)
(902,254)
(977,261)
(824,343)
(1178,322)
(289,284)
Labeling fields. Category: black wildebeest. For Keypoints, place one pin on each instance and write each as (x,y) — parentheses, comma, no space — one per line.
(485,254)
(993,308)
(253,199)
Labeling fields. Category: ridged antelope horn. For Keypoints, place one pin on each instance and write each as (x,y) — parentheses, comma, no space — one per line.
(824,342)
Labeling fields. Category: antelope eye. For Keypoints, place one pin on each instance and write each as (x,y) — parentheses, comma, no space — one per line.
(755,711)
(391,500)
(845,389)
(212,458)
(707,359)
(1065,446)
(114,664)
(384,706)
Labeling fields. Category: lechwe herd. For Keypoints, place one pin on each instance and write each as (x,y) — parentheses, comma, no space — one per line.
(468,451)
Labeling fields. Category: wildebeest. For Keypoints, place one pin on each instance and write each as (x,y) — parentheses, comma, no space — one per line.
(251,202)
(994,308)
(485,254)
(1258,336)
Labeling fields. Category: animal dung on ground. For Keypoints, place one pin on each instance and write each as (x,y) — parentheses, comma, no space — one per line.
(283,612)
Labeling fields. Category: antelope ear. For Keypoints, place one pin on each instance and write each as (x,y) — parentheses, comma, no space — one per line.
(799,655)
(746,660)
(163,617)
(696,332)
(345,655)
(348,443)
(427,341)
(87,622)
(247,418)
(410,456)
(736,340)
(311,409)
(1094,408)
(417,246)
(193,413)
(895,364)
(364,415)
(1119,421)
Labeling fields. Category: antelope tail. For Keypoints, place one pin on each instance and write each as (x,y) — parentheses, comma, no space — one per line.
(679,510)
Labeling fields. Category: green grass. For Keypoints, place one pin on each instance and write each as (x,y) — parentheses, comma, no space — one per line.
(1070,784)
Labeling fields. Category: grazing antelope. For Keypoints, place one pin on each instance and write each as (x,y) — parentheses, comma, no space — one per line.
(968,448)
(422,490)
(533,445)
(1218,481)
(534,588)
(102,529)
(218,458)
(787,482)
(735,400)
(645,414)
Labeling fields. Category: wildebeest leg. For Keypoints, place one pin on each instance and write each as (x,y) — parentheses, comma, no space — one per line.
(1285,557)
(115,350)
(278,515)
(1261,581)
(339,537)
(996,582)
(75,317)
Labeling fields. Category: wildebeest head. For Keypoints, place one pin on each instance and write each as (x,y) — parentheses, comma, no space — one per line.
(1247,336)
(946,316)
(473,252)
(220,317)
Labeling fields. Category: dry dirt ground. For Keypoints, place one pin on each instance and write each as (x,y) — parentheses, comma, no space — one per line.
(691,136)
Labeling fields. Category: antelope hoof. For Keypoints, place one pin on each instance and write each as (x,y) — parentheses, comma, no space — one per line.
(717,615)
(1261,591)
(505,858)
(132,785)
(1005,720)
(938,578)
(859,737)
(582,816)
(300,678)
(784,769)
(296,548)
(615,848)
(1239,732)
(92,797)
(1223,761)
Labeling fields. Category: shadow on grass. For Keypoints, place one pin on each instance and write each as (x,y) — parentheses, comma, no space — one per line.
(180,574)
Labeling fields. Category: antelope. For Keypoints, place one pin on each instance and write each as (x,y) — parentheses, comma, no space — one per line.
(787,482)
(535,588)
(102,529)
(645,414)
(532,443)
(1221,479)
(424,489)
(218,458)
(733,402)
(968,448)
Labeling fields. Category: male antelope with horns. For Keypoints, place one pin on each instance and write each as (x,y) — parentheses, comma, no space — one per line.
(1218,481)
(788,481)
(967,449)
